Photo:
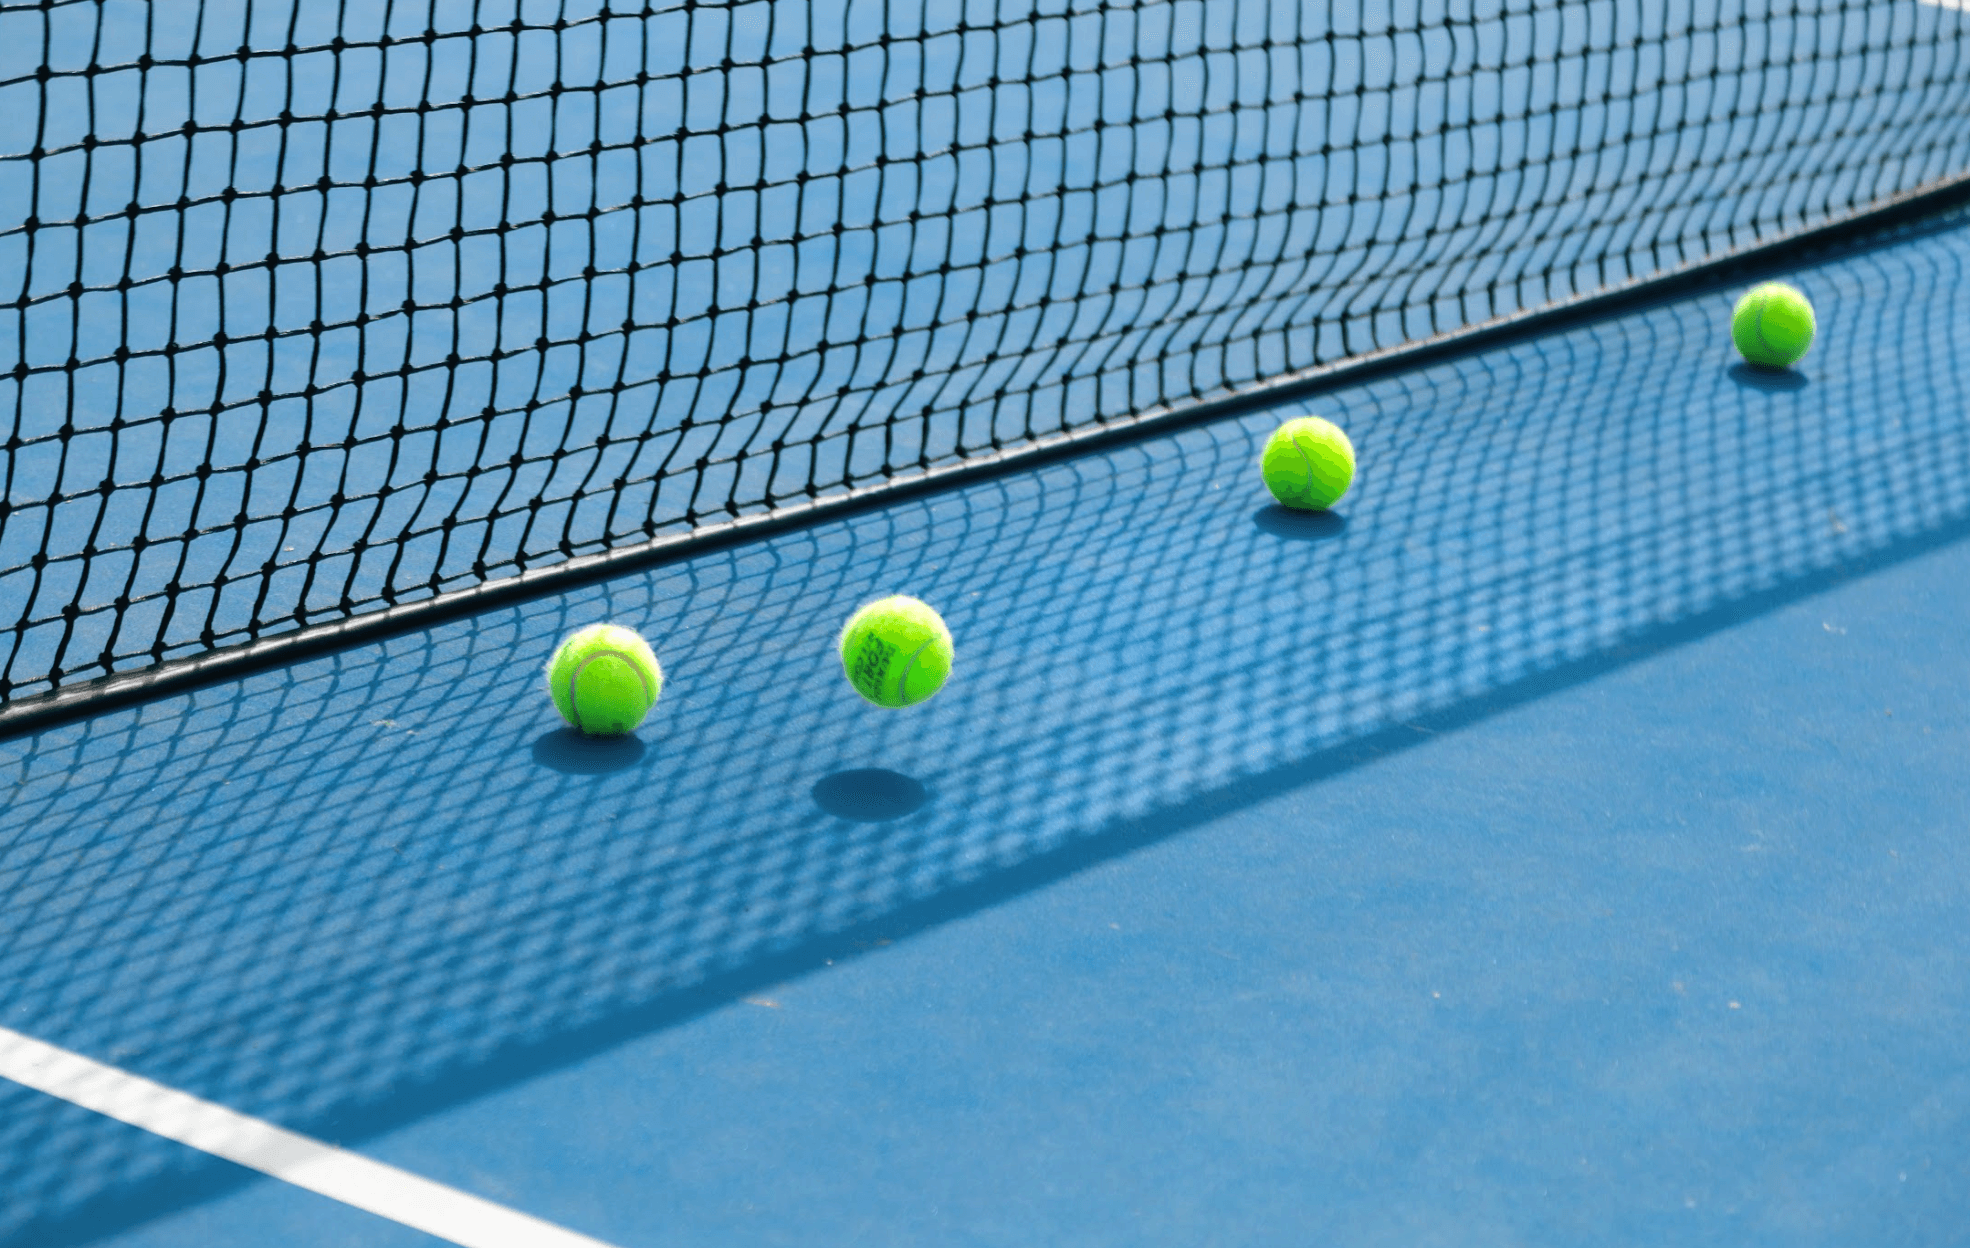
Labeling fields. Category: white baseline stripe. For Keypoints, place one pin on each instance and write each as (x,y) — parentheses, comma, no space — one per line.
(354,1180)
(1961,6)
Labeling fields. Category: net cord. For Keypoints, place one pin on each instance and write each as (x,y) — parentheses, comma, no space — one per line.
(1876,225)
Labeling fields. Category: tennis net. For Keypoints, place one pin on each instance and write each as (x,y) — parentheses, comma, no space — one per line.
(318,312)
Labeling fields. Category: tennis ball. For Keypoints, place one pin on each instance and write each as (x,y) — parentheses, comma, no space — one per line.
(1308,463)
(896,651)
(604,679)
(1773,325)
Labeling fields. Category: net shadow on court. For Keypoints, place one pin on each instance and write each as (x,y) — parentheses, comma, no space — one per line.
(347,893)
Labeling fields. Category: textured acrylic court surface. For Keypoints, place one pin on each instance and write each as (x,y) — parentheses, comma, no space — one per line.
(1564,846)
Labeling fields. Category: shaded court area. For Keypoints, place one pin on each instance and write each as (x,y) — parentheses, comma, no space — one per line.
(1529,851)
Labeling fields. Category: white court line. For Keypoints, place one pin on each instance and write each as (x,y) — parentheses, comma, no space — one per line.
(1961,6)
(354,1180)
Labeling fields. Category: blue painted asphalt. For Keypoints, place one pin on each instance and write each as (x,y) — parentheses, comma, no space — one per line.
(1561,846)
(1671,956)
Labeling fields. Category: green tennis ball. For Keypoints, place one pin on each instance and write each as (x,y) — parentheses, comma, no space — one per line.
(1308,463)
(1773,325)
(604,680)
(896,651)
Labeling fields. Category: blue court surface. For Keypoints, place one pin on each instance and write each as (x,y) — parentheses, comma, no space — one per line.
(354,304)
(1563,844)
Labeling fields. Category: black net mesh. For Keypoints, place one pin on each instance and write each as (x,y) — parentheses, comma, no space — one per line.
(344,893)
(314,309)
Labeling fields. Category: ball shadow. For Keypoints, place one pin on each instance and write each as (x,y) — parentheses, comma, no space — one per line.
(1299,526)
(576,754)
(869,795)
(1769,380)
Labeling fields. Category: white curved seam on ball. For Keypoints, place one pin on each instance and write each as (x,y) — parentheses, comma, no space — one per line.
(574,678)
(1310,480)
(902,682)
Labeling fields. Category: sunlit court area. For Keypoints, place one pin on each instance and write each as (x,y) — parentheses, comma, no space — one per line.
(875,623)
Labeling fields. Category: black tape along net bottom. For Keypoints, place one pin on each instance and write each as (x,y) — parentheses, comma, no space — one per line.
(313,309)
